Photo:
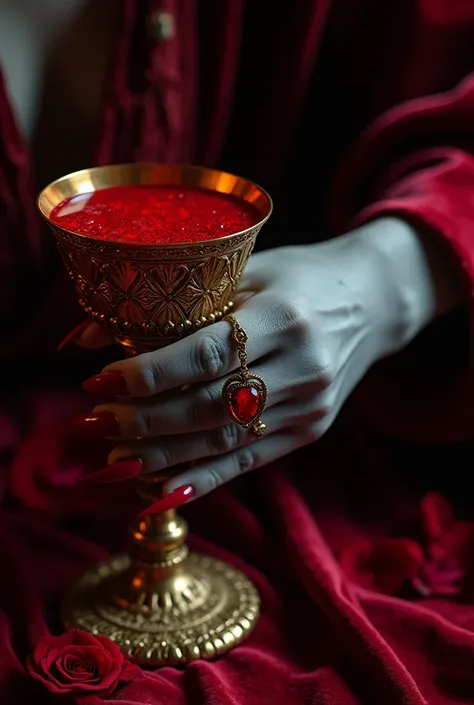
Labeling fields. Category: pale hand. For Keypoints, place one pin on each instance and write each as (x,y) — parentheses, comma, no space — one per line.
(317,317)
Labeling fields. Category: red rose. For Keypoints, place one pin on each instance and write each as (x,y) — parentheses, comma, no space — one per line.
(80,663)
(449,549)
(383,566)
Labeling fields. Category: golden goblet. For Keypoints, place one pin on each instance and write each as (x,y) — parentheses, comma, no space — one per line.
(160,604)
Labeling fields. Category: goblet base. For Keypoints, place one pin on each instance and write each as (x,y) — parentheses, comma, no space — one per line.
(201,612)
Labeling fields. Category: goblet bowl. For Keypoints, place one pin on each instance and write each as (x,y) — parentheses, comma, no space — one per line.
(151,295)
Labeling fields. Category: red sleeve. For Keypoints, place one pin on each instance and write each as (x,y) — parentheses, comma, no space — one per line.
(416,162)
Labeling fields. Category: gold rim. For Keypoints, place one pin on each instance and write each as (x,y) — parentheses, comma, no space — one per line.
(153,174)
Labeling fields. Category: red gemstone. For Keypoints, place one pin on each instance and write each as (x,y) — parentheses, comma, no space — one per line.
(244,403)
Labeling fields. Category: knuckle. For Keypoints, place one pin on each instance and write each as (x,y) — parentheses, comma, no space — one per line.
(244,460)
(133,421)
(315,363)
(316,368)
(224,439)
(214,479)
(317,430)
(325,374)
(210,356)
(120,451)
(156,456)
(147,421)
(207,408)
(151,378)
(321,376)
(324,411)
(295,316)
(145,376)
(313,407)
(162,457)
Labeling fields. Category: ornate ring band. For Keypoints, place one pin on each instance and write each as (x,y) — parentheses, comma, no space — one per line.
(245,394)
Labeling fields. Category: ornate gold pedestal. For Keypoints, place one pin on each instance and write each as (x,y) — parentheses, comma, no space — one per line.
(160,604)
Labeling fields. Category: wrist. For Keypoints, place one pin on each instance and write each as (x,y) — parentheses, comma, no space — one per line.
(413,279)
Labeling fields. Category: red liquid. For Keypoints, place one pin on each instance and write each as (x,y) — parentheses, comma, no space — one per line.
(154,214)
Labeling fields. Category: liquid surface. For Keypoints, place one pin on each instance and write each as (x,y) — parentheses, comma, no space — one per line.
(154,214)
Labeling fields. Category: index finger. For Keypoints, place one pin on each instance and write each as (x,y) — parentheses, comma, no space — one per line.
(205,355)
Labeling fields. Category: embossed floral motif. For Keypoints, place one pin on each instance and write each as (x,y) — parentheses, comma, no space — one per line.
(88,272)
(208,282)
(163,292)
(139,291)
(238,261)
(119,290)
(235,266)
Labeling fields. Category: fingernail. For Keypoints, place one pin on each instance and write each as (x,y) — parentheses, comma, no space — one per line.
(123,469)
(102,423)
(107,384)
(175,499)
(75,333)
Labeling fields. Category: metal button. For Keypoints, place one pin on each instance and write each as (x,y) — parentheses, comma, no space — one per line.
(163,26)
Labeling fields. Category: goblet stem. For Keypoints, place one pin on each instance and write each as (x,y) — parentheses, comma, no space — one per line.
(157,553)
(158,538)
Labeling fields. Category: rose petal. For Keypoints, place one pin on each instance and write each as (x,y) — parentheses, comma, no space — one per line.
(395,559)
(50,658)
(130,671)
(438,515)
(383,566)
(52,686)
(354,560)
(73,667)
(48,679)
(87,654)
(98,659)
(49,673)
(42,648)
(433,581)
(111,647)
(75,670)
(107,669)
(459,540)
(81,638)
(450,549)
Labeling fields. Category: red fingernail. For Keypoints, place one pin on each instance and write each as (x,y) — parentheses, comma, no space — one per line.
(75,333)
(175,499)
(123,469)
(103,423)
(107,384)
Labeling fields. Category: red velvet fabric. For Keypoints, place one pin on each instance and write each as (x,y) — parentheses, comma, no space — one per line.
(326,548)
(327,535)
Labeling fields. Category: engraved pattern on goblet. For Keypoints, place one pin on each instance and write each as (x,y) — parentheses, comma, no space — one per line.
(169,293)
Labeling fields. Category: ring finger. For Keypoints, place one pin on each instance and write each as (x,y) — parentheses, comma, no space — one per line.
(153,455)
(166,452)
(199,408)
